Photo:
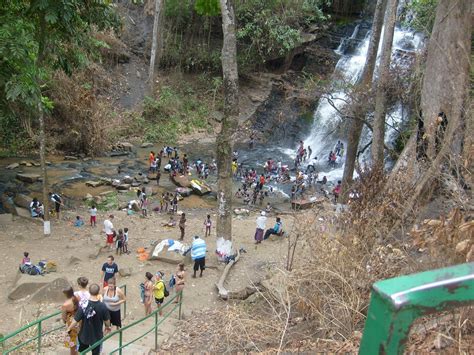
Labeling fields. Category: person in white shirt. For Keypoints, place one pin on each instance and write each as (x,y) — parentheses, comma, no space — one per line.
(109,232)
(261,220)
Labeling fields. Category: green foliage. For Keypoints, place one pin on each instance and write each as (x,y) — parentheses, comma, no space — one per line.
(176,111)
(109,202)
(420,15)
(38,37)
(207,7)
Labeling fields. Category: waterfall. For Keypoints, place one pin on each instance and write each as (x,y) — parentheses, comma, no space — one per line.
(322,138)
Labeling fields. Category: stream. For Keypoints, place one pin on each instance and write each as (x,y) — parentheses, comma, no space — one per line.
(69,176)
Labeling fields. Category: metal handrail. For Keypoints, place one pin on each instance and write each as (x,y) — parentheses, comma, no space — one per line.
(39,324)
(154,314)
(396,303)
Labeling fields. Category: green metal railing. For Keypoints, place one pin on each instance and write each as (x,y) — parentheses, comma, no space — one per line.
(396,303)
(157,322)
(39,324)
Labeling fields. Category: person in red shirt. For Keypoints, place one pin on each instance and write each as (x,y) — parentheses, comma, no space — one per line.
(262,181)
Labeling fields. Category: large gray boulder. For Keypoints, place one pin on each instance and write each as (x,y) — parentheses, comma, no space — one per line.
(30,178)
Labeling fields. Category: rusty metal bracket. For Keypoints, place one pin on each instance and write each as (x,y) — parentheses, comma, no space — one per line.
(396,303)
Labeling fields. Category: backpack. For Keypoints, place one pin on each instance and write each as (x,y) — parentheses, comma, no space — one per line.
(165,291)
(172,281)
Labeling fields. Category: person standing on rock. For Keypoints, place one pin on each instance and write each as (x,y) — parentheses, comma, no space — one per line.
(93,215)
(148,292)
(92,319)
(182,225)
(198,254)
(109,269)
(261,220)
(109,232)
(58,202)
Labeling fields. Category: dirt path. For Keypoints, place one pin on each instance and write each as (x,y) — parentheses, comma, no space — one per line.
(82,243)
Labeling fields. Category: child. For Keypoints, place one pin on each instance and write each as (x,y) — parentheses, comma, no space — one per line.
(79,222)
(158,176)
(268,208)
(93,213)
(119,242)
(144,202)
(26,259)
(207,225)
(125,241)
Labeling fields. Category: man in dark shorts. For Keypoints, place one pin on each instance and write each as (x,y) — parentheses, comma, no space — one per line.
(198,254)
(109,269)
(92,318)
(57,201)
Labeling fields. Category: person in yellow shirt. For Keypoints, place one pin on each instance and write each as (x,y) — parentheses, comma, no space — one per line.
(159,290)
(234,168)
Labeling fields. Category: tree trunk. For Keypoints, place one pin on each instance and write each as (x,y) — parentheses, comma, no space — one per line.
(364,84)
(44,173)
(229,121)
(381,95)
(447,69)
(154,46)
(445,89)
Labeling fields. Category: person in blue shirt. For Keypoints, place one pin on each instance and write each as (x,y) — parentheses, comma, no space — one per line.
(277,228)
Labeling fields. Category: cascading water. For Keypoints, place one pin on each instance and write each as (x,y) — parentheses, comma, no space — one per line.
(348,70)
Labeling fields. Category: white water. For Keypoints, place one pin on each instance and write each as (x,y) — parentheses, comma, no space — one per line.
(326,118)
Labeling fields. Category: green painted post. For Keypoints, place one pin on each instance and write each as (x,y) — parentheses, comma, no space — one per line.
(39,337)
(156,331)
(120,342)
(396,303)
(125,303)
(180,303)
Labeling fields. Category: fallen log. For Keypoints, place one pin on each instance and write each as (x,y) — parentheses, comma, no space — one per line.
(223,292)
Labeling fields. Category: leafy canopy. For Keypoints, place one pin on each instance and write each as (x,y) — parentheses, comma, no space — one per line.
(38,37)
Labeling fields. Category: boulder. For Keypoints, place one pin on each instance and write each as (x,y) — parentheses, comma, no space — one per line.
(127,180)
(180,181)
(30,178)
(115,183)
(37,164)
(146,181)
(74,260)
(52,292)
(200,187)
(118,154)
(123,187)
(125,271)
(13,166)
(136,184)
(70,157)
(22,201)
(88,197)
(106,193)
(184,191)
(23,162)
(94,183)
(44,288)
(125,146)
(146,145)
(106,181)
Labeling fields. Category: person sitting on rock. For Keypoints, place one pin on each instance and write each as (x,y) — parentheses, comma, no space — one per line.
(276,230)
(171,222)
(36,208)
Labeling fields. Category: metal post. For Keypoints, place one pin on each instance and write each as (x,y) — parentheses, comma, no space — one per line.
(125,303)
(156,331)
(120,342)
(39,337)
(180,303)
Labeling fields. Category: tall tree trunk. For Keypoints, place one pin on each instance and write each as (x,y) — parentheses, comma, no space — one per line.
(229,121)
(445,89)
(381,95)
(42,130)
(447,69)
(363,87)
(154,46)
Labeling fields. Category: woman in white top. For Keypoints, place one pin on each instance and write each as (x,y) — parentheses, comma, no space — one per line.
(82,294)
(113,298)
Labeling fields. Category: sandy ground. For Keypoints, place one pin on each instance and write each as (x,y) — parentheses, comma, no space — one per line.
(67,241)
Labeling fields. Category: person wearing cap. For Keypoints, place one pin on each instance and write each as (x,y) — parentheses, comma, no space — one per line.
(159,290)
(261,220)
(198,254)
(109,232)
